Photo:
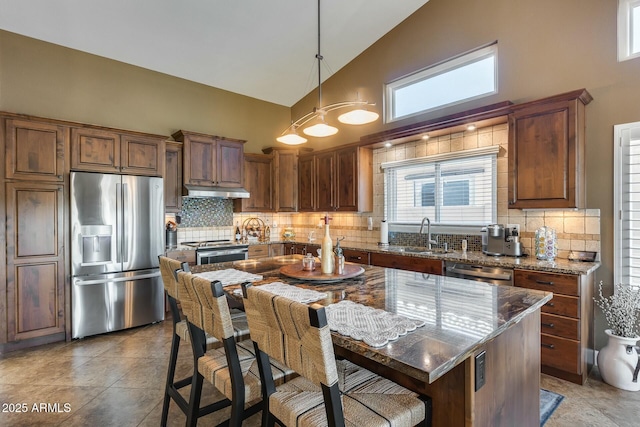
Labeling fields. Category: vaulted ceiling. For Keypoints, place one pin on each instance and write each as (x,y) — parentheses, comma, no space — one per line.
(258,48)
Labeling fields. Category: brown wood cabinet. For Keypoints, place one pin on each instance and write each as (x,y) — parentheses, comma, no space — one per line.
(285,179)
(421,265)
(353,255)
(173,177)
(35,260)
(258,181)
(567,342)
(35,150)
(547,152)
(112,151)
(211,160)
(336,180)
(258,251)
(188,256)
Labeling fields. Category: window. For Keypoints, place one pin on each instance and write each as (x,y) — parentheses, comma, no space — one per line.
(628,29)
(627,203)
(451,189)
(466,77)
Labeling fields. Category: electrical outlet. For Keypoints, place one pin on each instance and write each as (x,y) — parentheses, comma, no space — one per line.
(481,374)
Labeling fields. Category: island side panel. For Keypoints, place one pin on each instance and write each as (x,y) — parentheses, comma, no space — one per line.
(511,394)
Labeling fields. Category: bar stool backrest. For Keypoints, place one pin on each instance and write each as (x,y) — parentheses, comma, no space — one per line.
(168,267)
(216,317)
(292,333)
(187,295)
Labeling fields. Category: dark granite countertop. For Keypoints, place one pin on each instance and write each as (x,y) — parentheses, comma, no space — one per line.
(559,265)
(460,315)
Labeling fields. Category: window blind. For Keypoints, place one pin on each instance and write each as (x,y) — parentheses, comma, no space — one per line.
(627,201)
(452,189)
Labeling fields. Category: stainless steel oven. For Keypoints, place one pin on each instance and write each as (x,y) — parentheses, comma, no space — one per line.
(213,255)
(212,251)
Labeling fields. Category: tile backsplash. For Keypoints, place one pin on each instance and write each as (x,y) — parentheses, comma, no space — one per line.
(577,230)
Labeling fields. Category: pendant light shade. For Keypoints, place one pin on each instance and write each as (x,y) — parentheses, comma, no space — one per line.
(358,116)
(291,138)
(320,128)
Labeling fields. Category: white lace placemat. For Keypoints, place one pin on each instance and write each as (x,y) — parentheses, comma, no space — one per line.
(229,276)
(373,326)
(291,292)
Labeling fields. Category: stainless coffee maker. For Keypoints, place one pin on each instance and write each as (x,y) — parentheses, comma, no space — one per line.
(500,240)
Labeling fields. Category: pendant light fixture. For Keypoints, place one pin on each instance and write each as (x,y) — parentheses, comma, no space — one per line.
(316,118)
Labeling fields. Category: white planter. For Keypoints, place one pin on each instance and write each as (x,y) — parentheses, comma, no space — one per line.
(617,362)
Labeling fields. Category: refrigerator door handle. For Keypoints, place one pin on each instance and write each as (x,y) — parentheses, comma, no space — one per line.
(81,282)
(119,216)
(125,235)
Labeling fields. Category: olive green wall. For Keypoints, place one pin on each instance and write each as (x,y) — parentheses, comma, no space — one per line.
(48,80)
(546,47)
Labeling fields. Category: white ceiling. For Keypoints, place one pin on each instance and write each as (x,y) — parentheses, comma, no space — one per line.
(260,48)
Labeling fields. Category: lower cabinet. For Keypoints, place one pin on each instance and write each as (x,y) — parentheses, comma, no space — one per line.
(258,251)
(566,322)
(353,255)
(420,265)
(35,261)
(188,256)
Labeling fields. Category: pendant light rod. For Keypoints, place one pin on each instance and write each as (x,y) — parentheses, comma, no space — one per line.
(322,129)
(319,58)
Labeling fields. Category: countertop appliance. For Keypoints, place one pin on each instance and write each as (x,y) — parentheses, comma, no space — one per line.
(212,251)
(500,240)
(117,233)
(479,273)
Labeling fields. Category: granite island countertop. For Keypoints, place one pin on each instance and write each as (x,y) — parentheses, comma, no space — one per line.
(460,315)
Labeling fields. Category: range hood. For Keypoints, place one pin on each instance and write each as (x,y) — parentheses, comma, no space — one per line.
(223,192)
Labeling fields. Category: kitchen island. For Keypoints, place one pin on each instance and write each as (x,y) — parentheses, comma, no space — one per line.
(473,333)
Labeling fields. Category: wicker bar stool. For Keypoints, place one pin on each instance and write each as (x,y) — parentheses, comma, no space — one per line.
(168,269)
(328,392)
(232,369)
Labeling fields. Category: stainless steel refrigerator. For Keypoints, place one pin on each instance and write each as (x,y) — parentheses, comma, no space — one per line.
(117,233)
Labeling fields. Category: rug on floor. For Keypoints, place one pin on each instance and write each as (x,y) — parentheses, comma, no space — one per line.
(549,401)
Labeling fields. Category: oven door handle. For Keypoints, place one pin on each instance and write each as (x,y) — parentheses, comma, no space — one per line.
(221,252)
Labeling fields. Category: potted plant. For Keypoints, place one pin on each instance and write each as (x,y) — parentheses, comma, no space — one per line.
(618,361)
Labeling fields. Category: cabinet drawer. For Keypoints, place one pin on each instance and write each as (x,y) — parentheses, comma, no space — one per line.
(183,256)
(566,284)
(258,251)
(563,306)
(360,257)
(560,326)
(421,265)
(560,353)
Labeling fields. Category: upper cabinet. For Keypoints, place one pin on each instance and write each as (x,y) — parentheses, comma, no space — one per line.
(211,161)
(285,179)
(110,151)
(336,180)
(547,152)
(173,177)
(34,150)
(258,181)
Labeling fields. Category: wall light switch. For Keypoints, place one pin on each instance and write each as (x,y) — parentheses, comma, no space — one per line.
(370,223)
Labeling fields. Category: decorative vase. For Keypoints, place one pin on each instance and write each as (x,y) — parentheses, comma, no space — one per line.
(617,362)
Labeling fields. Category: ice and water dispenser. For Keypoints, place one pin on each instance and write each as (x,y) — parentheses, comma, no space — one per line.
(96,244)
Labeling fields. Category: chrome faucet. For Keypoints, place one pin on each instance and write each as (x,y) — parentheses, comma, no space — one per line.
(429,240)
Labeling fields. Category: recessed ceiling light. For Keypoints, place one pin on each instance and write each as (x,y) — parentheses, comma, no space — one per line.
(387,144)
(471,127)
(425,136)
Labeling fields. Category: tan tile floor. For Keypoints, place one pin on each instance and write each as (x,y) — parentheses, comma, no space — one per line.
(118,379)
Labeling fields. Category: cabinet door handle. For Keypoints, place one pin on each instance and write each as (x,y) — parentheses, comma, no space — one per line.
(551,346)
(357,258)
(549,325)
(551,304)
(542,282)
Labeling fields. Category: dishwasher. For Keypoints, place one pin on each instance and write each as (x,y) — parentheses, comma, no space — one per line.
(479,273)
